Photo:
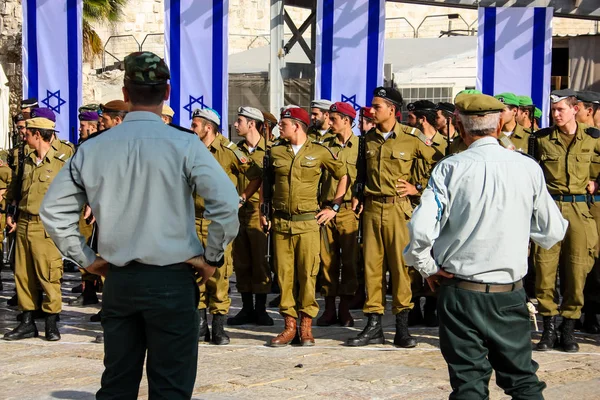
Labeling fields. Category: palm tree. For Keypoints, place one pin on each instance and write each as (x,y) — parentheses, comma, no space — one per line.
(102,12)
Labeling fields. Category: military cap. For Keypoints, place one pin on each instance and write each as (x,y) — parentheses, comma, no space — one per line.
(18,117)
(447,107)
(252,113)
(40,123)
(28,103)
(421,105)
(343,108)
(468,91)
(146,68)
(268,117)
(114,106)
(525,101)
(508,99)
(297,113)
(558,95)
(390,94)
(89,107)
(478,104)
(88,116)
(43,113)
(168,111)
(321,104)
(208,114)
(588,96)
(366,112)
(537,113)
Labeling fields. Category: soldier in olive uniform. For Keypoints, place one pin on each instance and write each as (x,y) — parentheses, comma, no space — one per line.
(446,121)
(565,153)
(37,259)
(525,112)
(167,114)
(339,250)
(297,169)
(63,147)
(27,106)
(513,136)
(112,113)
(320,128)
(391,152)
(214,294)
(88,124)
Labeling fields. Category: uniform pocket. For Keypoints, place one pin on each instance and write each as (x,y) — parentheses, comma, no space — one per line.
(55,271)
(553,166)
(316,265)
(310,169)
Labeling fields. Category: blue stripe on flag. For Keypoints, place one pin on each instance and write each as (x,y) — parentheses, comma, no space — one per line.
(489,50)
(174,60)
(32,56)
(539,40)
(217,58)
(327,49)
(73,35)
(372,49)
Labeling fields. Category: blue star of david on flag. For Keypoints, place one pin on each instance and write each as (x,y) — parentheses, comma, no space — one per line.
(194,100)
(59,101)
(352,101)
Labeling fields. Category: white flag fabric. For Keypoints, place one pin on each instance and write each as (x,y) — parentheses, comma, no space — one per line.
(349,50)
(514,53)
(196,52)
(52,59)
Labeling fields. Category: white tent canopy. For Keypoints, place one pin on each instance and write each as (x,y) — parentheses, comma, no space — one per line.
(4,111)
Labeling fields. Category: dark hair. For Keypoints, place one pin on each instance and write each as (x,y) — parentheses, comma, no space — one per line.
(115,114)
(429,115)
(451,116)
(146,95)
(46,134)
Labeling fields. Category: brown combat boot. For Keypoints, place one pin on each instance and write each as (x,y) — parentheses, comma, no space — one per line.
(329,316)
(288,334)
(306,337)
(344,311)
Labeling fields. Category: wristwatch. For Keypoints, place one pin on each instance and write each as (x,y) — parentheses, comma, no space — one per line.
(242,200)
(335,207)
(219,263)
(419,187)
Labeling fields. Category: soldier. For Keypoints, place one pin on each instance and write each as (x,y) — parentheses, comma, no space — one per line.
(389,160)
(339,251)
(320,128)
(366,120)
(297,169)
(269,125)
(5,179)
(513,136)
(112,113)
(537,115)
(63,147)
(167,114)
(253,273)
(214,294)
(565,153)
(589,105)
(37,259)
(446,121)
(523,116)
(88,124)
(27,106)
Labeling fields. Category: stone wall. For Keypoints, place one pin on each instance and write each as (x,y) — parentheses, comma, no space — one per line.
(10,47)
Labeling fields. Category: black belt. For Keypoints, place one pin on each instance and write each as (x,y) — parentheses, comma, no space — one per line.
(294,217)
(575,198)
(386,199)
(30,217)
(484,287)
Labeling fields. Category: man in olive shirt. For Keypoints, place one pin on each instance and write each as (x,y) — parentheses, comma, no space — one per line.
(215,294)
(391,152)
(37,258)
(297,169)
(513,136)
(320,128)
(112,113)
(565,153)
(339,249)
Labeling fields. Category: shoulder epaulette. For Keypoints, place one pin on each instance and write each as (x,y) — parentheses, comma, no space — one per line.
(525,154)
(241,143)
(62,157)
(277,142)
(543,132)
(327,148)
(506,143)
(71,145)
(593,132)
(181,128)
(243,158)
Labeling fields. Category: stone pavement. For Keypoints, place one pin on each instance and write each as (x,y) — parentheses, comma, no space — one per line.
(71,368)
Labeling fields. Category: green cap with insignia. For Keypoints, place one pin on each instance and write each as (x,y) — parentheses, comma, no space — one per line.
(478,104)
(537,113)
(146,68)
(508,99)
(525,101)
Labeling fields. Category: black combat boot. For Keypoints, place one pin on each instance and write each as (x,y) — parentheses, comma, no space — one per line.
(549,337)
(430,312)
(97,317)
(246,315)
(567,339)
(402,337)
(372,334)
(26,328)
(329,316)
(52,333)
(88,296)
(219,337)
(204,334)
(260,309)
(590,323)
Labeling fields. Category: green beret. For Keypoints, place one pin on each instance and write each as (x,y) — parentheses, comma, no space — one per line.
(146,68)
(525,101)
(478,104)
(537,113)
(509,99)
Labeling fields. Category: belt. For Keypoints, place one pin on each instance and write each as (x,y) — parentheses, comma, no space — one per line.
(573,198)
(295,217)
(595,198)
(484,287)
(30,217)
(345,204)
(386,199)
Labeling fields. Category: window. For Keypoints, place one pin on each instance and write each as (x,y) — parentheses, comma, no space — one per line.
(434,94)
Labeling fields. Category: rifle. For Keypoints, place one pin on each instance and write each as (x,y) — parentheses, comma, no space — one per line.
(266,206)
(361,178)
(448,119)
(14,210)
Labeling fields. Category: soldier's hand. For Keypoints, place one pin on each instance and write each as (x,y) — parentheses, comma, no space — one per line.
(355,206)
(264,224)
(326,215)
(204,270)
(98,267)
(435,280)
(11,223)
(87,213)
(403,188)
(592,187)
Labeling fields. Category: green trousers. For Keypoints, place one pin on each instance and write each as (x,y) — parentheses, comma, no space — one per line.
(150,309)
(484,331)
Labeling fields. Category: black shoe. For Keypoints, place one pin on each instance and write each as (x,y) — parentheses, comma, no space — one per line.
(204,334)
(52,333)
(415,316)
(13,301)
(219,337)
(77,289)
(549,338)
(87,297)
(402,337)
(430,317)
(260,310)
(275,302)
(26,328)
(590,323)
(96,317)
(567,339)
(372,334)
(246,315)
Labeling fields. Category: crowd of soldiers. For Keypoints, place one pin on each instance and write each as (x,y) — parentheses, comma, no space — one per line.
(321,208)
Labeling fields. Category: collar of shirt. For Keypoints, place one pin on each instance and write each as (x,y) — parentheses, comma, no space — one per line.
(351,141)
(578,133)
(485,141)
(49,155)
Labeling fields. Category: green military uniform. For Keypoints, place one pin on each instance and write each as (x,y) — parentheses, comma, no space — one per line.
(214,294)
(567,171)
(592,289)
(63,147)
(339,235)
(252,271)
(518,140)
(296,236)
(6,175)
(316,135)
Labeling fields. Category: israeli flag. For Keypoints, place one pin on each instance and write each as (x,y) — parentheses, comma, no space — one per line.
(196,53)
(52,61)
(349,50)
(514,53)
